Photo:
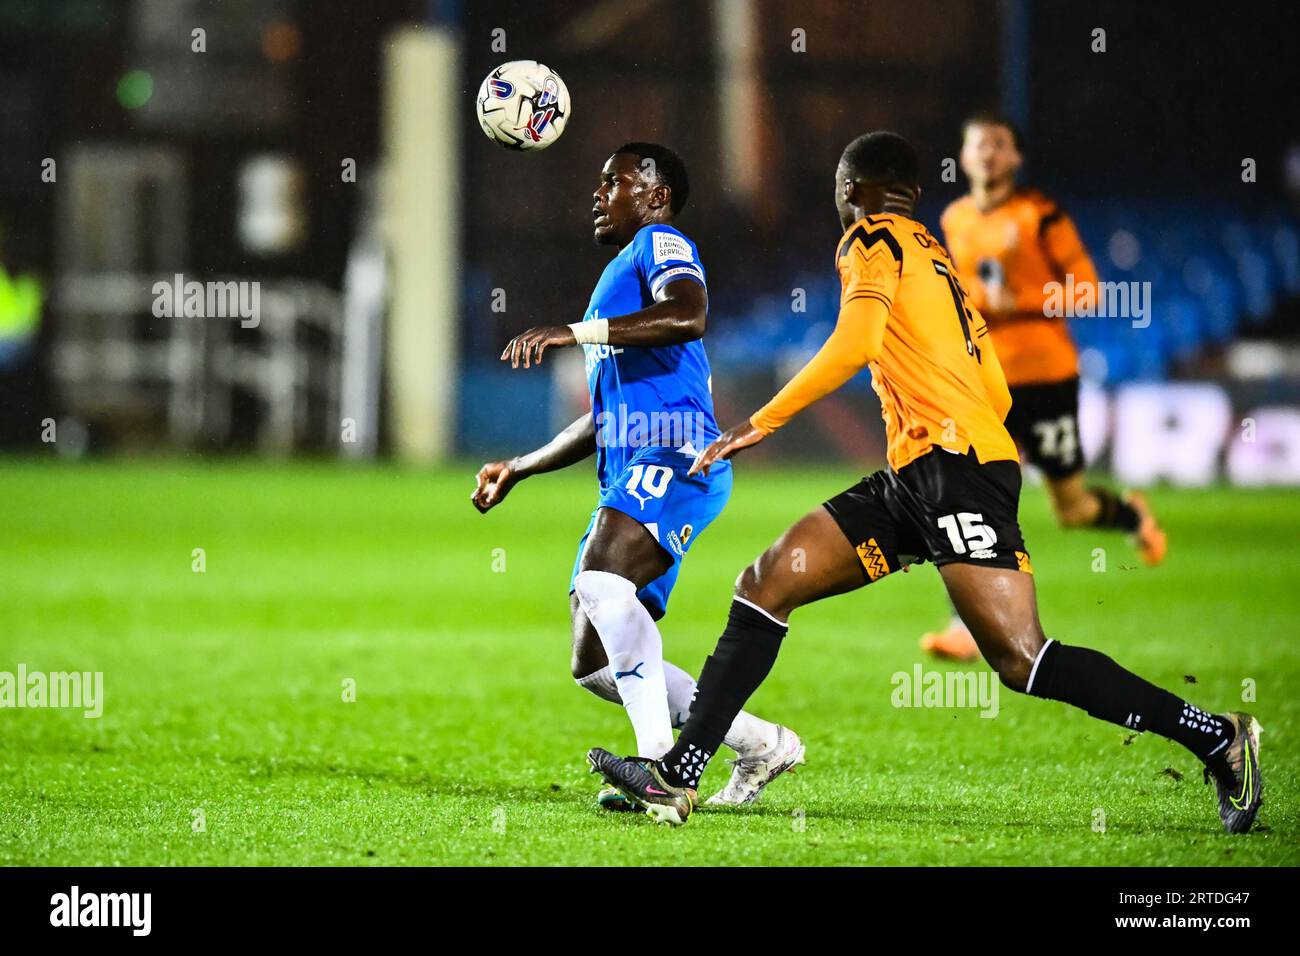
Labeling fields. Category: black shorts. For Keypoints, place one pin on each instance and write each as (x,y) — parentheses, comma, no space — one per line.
(941,507)
(1044,421)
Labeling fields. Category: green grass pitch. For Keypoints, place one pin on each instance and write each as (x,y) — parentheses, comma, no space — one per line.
(464,746)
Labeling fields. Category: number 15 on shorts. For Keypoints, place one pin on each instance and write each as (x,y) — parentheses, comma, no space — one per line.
(967,532)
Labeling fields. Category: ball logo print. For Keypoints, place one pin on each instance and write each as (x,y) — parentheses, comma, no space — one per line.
(523,105)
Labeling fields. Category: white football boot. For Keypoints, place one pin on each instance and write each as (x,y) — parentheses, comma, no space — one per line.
(749,775)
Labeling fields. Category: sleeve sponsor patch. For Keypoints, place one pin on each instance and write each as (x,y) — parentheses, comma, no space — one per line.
(670,247)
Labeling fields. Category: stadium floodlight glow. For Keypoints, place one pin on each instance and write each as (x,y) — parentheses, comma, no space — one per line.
(135,89)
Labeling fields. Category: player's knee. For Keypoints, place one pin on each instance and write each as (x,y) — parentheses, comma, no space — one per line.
(749,583)
(759,589)
(579,665)
(1074,514)
(1014,661)
(1013,671)
(596,587)
(588,655)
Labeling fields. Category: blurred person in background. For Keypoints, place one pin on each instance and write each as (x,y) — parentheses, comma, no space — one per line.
(1009,243)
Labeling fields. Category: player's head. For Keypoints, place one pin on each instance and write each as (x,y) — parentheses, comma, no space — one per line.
(641,183)
(877,172)
(990,150)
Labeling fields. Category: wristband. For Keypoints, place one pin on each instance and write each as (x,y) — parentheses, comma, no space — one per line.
(595,332)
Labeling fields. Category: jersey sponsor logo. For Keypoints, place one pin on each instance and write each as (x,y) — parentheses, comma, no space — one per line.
(983,553)
(593,355)
(670,246)
(678,540)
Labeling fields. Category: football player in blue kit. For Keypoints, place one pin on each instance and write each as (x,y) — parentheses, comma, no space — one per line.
(652,412)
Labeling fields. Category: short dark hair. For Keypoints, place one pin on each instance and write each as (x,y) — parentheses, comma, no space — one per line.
(994,118)
(668,167)
(882,157)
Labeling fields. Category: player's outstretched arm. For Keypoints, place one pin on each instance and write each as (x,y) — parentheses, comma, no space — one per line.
(496,478)
(856,341)
(677,315)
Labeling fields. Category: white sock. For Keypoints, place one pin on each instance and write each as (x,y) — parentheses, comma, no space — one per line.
(601,683)
(749,735)
(636,655)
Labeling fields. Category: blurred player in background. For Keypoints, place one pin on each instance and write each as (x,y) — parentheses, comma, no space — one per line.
(949,495)
(1008,242)
(652,410)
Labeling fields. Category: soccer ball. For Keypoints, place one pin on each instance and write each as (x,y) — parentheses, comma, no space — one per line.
(523,105)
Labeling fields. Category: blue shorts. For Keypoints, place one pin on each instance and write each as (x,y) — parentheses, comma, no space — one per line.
(674,507)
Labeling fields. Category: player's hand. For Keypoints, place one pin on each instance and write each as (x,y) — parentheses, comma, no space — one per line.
(494,481)
(999,299)
(727,444)
(529,346)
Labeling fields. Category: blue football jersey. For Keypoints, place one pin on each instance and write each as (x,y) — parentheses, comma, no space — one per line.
(646,396)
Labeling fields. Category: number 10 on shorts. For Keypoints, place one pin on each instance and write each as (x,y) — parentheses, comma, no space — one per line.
(652,479)
(967,532)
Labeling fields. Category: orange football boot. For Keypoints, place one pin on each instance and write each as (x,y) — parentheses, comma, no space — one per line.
(1150,540)
(954,644)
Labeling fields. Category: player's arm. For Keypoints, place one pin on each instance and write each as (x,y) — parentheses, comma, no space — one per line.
(677,315)
(995,382)
(856,341)
(496,478)
(1066,250)
(1066,255)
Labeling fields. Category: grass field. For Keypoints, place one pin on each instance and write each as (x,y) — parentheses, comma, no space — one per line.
(223,690)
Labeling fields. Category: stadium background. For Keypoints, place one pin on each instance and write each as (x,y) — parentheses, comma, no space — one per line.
(129,440)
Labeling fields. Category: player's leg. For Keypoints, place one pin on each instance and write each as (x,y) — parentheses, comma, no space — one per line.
(751,737)
(660,511)
(620,558)
(587,660)
(1077,504)
(1046,426)
(1043,424)
(1044,421)
(1000,607)
(590,669)
(812,560)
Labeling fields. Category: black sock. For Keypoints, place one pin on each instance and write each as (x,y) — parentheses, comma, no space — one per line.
(1114,513)
(1090,680)
(744,656)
